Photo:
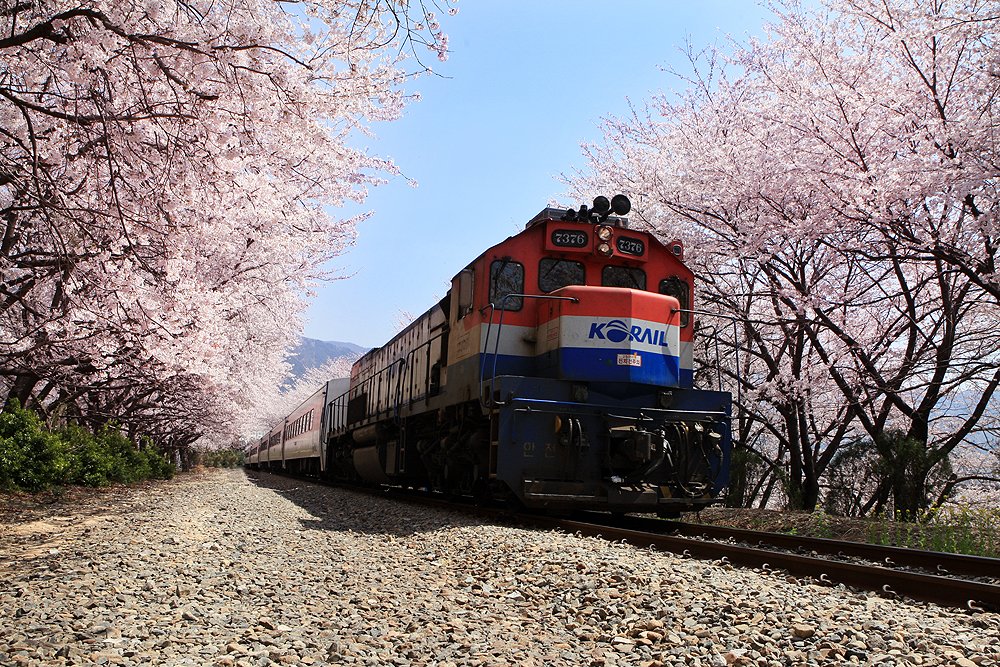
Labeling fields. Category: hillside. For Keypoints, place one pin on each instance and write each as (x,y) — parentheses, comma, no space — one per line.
(312,353)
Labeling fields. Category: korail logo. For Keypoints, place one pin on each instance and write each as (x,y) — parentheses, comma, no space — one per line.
(617,331)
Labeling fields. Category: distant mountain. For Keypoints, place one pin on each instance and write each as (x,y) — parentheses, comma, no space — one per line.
(312,353)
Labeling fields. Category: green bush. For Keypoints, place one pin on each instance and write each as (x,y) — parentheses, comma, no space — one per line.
(222,458)
(34,459)
(160,466)
(91,465)
(31,458)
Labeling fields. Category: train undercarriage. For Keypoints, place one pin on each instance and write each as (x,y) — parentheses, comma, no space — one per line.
(613,453)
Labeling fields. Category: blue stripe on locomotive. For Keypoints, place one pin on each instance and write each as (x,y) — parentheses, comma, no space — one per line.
(605,365)
(592,365)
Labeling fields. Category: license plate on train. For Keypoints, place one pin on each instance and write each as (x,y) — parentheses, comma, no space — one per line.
(629,360)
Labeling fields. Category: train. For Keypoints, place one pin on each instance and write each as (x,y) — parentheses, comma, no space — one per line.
(556,374)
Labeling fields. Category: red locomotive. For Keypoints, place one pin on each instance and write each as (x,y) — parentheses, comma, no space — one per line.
(557,371)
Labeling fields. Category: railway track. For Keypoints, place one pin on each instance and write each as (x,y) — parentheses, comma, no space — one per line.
(935,577)
(940,578)
(932,562)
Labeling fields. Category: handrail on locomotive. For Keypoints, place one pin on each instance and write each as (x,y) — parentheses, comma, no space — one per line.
(496,346)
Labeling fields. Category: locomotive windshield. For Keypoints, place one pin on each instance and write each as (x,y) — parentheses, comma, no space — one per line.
(556,273)
(623,276)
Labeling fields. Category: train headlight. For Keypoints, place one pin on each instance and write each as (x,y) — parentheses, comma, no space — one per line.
(604,249)
(604,233)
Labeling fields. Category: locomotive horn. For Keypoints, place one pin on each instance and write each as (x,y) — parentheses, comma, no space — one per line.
(601,205)
(620,204)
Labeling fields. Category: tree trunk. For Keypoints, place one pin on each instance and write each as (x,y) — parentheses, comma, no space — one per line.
(909,491)
(21,390)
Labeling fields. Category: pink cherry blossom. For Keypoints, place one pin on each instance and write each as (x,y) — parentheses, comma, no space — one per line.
(170,174)
(835,184)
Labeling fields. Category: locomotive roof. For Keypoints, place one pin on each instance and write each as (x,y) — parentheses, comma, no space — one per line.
(562,215)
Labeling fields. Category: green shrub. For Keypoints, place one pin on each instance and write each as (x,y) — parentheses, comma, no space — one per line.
(31,458)
(128,465)
(160,467)
(34,459)
(91,465)
(222,458)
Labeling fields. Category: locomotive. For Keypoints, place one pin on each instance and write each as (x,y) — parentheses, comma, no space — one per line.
(556,373)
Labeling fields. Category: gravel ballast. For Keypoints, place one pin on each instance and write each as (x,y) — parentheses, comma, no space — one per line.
(230,568)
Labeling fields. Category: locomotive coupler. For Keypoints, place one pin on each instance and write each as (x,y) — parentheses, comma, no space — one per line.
(635,452)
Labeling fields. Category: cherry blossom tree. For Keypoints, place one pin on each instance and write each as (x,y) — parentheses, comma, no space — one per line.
(168,170)
(847,164)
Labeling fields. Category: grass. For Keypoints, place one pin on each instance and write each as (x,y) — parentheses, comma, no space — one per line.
(961,529)
(954,528)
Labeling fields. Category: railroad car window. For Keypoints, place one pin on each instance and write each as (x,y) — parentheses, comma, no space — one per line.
(623,276)
(556,273)
(680,290)
(506,277)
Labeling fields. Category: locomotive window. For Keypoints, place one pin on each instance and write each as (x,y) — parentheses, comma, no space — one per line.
(465,292)
(623,276)
(679,289)
(556,273)
(506,277)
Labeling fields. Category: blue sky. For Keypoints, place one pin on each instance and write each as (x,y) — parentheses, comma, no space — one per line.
(525,84)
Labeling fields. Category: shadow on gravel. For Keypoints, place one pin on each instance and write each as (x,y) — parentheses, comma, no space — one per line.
(343,510)
(75,504)
(34,528)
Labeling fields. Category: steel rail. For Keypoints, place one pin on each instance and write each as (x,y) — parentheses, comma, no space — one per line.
(935,562)
(948,591)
